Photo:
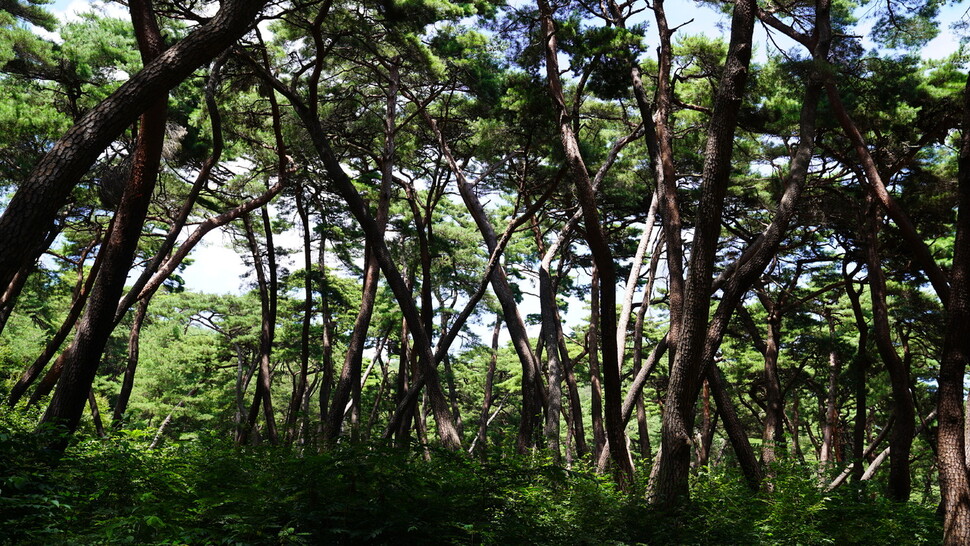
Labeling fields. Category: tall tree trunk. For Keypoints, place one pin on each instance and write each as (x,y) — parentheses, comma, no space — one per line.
(901,439)
(670,486)
(326,382)
(860,365)
(951,440)
(482,437)
(773,434)
(403,430)
(575,403)
(664,167)
(267,291)
(96,414)
(531,376)
(299,392)
(633,279)
(592,346)
(831,410)
(551,332)
(353,359)
(734,429)
(708,422)
(348,384)
(447,430)
(84,354)
(598,242)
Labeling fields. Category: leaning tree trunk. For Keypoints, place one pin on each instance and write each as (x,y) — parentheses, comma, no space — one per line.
(598,241)
(267,290)
(128,382)
(74,313)
(9,295)
(300,389)
(482,437)
(31,211)
(348,383)
(84,354)
(531,377)
(343,185)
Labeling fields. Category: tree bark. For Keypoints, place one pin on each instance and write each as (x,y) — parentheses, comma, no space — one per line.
(531,376)
(11,293)
(596,386)
(77,306)
(482,437)
(598,242)
(267,290)
(31,211)
(773,434)
(84,354)
(831,410)
(951,440)
(149,280)
(348,383)
(670,486)
(299,391)
(901,439)
(128,382)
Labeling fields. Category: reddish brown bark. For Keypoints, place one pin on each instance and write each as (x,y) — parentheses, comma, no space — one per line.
(31,211)
(951,441)
(82,358)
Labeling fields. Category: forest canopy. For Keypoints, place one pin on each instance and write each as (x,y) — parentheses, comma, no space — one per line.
(559,269)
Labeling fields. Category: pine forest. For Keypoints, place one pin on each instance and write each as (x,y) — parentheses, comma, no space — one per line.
(484,272)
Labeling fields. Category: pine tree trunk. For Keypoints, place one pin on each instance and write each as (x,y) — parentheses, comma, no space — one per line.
(77,306)
(128,382)
(299,392)
(267,300)
(84,355)
(831,411)
(901,439)
(489,383)
(773,434)
(951,439)
(592,346)
(670,486)
(30,213)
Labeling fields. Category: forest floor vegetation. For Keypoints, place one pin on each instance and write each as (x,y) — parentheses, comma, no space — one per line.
(206,491)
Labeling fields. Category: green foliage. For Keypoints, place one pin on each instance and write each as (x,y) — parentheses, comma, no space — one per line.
(117,490)
(798,511)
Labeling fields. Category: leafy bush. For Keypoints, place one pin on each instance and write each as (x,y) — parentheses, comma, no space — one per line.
(208,491)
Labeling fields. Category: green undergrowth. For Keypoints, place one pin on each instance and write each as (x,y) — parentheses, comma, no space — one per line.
(207,491)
